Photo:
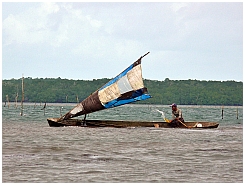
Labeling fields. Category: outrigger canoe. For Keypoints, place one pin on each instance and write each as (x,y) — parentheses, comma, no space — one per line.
(54,122)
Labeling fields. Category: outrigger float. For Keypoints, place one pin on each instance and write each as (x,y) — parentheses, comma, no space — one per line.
(125,88)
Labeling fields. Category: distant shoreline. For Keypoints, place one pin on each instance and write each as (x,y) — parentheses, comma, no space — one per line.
(182,92)
(133,104)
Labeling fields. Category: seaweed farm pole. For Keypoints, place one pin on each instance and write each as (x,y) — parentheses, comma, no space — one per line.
(16,100)
(7,99)
(22,99)
(237,113)
(77,99)
(44,107)
(222,112)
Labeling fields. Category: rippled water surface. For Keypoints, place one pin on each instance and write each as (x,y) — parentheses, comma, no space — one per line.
(34,152)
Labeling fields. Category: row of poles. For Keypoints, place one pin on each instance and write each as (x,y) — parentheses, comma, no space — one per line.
(222,112)
(23,98)
(45,104)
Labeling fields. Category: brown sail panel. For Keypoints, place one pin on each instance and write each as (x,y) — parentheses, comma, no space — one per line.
(88,105)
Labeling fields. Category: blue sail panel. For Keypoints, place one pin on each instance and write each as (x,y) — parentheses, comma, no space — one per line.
(115,103)
(136,96)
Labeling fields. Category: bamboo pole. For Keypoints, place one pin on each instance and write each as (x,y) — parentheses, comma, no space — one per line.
(222,112)
(16,100)
(237,113)
(7,99)
(22,99)
(44,107)
(77,99)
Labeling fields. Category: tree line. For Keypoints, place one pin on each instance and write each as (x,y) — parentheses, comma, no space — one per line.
(183,92)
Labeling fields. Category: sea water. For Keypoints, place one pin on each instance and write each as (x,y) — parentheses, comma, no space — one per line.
(34,152)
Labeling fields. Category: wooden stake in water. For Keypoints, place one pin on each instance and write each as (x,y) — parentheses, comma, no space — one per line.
(222,112)
(22,99)
(7,99)
(77,99)
(237,113)
(44,107)
(16,100)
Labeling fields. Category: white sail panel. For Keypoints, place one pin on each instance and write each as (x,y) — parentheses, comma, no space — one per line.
(131,81)
(109,93)
(78,108)
(124,85)
(135,77)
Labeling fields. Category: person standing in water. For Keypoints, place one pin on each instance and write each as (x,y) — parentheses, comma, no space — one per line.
(176,116)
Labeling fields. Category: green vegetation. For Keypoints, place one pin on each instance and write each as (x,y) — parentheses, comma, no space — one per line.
(184,92)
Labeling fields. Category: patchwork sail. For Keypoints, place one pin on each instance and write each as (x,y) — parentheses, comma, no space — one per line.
(127,87)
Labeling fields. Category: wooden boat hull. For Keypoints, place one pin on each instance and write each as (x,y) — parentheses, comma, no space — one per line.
(54,122)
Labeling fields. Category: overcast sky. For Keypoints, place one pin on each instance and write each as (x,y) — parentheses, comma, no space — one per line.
(88,41)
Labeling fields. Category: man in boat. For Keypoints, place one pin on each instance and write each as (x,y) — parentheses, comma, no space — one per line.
(177,116)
